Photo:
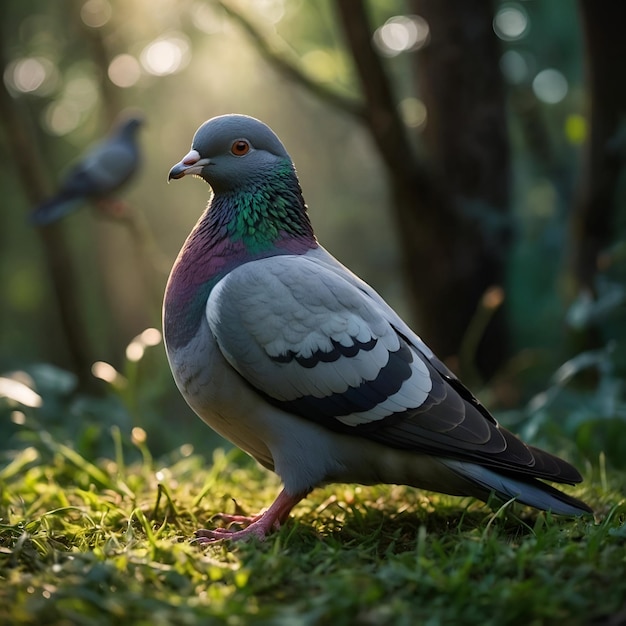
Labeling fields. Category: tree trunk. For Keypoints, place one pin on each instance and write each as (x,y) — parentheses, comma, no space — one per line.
(59,262)
(592,218)
(451,212)
(460,82)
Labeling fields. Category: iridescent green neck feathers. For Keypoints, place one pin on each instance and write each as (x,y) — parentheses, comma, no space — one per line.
(269,208)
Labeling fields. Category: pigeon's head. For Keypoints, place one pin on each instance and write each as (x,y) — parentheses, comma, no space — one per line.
(128,123)
(231,151)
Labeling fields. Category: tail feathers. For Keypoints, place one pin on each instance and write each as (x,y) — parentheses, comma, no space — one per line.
(528,491)
(54,209)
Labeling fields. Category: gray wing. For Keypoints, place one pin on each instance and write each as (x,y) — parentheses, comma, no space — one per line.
(319,343)
(104,168)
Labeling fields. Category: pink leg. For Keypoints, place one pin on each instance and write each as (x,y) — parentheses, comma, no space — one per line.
(259,525)
(113,207)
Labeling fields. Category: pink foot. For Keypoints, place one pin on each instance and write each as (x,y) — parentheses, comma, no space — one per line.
(258,526)
(238,519)
(113,207)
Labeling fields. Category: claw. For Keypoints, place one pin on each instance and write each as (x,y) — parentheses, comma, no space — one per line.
(237,519)
(258,526)
(204,536)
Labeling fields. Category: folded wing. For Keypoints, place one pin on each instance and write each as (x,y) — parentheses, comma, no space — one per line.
(323,346)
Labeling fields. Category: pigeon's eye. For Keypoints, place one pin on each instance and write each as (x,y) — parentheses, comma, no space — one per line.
(240,147)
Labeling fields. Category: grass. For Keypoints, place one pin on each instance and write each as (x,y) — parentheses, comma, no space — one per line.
(107,542)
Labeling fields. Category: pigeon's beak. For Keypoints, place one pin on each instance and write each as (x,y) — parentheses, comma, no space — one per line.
(190,164)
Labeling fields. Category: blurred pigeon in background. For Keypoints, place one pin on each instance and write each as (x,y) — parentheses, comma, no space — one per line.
(102,171)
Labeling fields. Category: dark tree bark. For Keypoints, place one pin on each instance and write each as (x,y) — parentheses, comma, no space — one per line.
(605,151)
(460,82)
(451,212)
(59,262)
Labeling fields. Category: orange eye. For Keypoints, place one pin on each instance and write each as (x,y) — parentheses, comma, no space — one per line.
(240,147)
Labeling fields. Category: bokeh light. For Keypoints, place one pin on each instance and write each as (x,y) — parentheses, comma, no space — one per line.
(166,55)
(271,10)
(402,33)
(17,391)
(105,371)
(206,18)
(82,90)
(96,13)
(79,96)
(29,75)
(514,67)
(61,117)
(19,418)
(576,128)
(413,112)
(550,86)
(511,22)
(124,71)
(136,348)
(138,435)
(542,199)
(322,65)
(134,351)
(36,75)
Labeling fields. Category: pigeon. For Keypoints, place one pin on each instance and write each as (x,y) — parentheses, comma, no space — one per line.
(291,357)
(101,172)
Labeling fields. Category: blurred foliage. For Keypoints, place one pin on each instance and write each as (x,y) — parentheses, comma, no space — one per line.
(69,64)
(135,399)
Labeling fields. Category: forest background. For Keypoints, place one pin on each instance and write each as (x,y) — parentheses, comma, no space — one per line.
(465,157)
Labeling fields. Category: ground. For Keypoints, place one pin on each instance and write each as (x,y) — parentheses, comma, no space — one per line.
(85,543)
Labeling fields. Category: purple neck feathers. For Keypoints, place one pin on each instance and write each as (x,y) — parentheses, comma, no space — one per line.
(208,254)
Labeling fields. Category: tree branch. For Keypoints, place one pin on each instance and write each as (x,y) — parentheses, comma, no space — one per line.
(383,120)
(110,95)
(31,172)
(275,52)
